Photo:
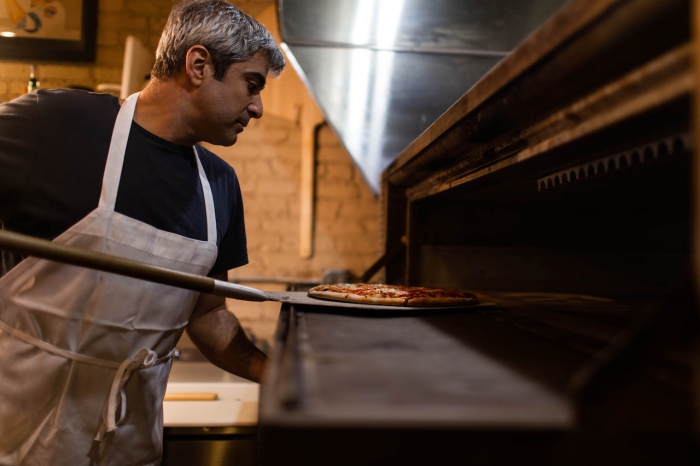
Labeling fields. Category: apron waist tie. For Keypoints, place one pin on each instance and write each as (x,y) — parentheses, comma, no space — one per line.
(143,359)
(54,349)
(116,400)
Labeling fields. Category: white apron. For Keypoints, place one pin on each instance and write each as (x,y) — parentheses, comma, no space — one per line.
(85,355)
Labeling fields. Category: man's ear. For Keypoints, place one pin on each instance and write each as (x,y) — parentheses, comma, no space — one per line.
(198,64)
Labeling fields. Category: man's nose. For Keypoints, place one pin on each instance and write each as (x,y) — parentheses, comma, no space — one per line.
(256,107)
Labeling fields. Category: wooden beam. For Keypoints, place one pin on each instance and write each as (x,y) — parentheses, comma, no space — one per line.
(695,161)
(310,120)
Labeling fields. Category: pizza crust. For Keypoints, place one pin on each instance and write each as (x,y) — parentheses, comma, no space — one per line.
(384,301)
(354,298)
(332,295)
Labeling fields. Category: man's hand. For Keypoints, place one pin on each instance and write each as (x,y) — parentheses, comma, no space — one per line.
(219,336)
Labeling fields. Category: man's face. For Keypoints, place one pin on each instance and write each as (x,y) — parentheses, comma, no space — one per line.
(229,104)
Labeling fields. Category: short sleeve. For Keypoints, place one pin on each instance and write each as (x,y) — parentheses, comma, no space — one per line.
(233,250)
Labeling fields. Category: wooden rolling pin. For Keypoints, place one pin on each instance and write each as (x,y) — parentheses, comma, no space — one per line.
(191,396)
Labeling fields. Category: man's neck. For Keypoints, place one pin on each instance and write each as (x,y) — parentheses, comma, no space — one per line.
(162,109)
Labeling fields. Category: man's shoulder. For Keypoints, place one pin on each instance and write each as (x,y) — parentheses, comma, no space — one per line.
(74,102)
(68,117)
(60,114)
(73,109)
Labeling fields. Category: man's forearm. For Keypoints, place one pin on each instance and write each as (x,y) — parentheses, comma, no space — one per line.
(221,339)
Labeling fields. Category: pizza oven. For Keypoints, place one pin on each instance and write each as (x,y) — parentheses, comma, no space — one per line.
(562,186)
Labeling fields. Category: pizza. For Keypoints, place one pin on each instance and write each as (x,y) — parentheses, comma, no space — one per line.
(393,295)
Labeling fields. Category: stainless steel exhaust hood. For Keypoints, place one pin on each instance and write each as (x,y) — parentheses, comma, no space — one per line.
(382,71)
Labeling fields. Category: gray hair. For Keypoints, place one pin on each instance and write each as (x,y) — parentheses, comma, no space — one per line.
(227,33)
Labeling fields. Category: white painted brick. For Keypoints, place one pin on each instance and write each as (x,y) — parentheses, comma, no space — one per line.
(327,138)
(108,37)
(110,56)
(338,191)
(331,172)
(13,71)
(267,185)
(104,74)
(111,5)
(17,89)
(73,73)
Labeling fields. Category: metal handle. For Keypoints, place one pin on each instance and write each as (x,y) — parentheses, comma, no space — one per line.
(44,249)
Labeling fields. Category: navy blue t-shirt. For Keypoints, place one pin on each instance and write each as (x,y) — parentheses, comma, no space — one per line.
(53,151)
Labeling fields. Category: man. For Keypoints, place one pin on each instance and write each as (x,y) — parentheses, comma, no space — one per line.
(85,355)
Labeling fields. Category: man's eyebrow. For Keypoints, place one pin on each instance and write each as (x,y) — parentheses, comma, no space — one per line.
(259,77)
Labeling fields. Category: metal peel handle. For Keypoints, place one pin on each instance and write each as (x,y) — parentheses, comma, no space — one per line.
(44,249)
(245,293)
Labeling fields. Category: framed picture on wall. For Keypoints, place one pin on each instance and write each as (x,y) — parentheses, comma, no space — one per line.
(48,30)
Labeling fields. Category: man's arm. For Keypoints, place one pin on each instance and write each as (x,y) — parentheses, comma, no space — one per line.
(221,339)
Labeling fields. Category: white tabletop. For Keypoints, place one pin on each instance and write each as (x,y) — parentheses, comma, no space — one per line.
(236,403)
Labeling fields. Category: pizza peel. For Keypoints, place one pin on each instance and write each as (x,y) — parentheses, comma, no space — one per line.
(45,249)
(301,298)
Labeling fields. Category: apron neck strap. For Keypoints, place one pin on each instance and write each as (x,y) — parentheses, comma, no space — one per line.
(115,161)
(208,199)
(115,156)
